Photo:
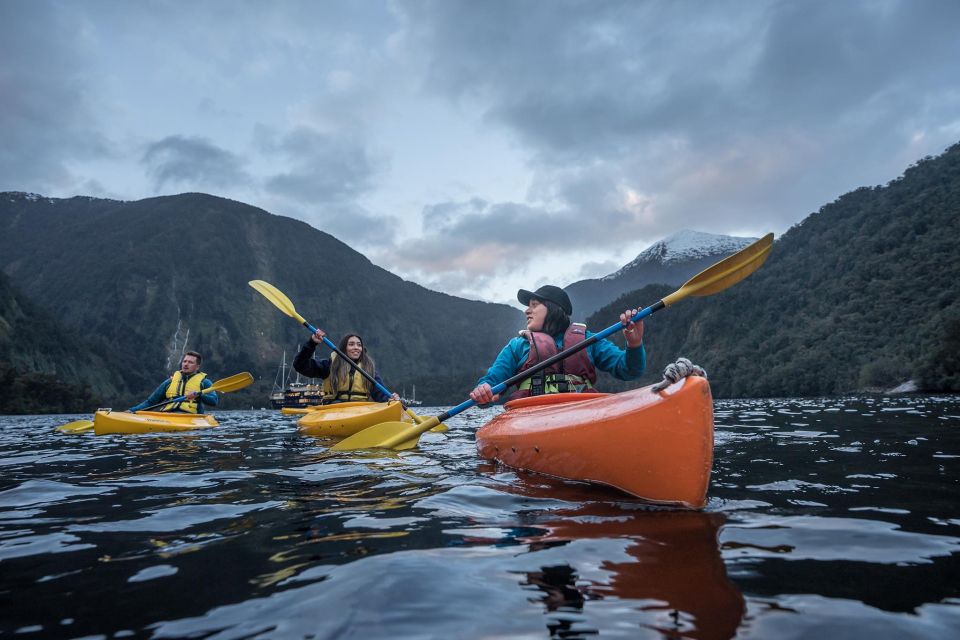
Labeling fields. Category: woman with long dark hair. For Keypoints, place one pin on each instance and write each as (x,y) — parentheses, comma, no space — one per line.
(341,382)
(549,331)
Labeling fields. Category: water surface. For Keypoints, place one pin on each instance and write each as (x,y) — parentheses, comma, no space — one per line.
(828,518)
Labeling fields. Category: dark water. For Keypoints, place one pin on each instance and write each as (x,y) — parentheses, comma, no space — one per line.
(827,519)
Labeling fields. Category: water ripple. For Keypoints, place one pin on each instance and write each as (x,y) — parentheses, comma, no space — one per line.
(832,517)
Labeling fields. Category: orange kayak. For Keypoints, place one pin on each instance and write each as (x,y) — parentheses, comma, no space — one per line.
(657,446)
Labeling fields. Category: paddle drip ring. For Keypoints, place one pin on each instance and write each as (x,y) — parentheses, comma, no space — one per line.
(677,370)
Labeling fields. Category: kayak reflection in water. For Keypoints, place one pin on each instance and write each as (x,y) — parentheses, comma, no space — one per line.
(341,382)
(549,330)
(675,571)
(190,382)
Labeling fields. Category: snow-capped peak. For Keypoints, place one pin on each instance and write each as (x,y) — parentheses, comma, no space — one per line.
(685,245)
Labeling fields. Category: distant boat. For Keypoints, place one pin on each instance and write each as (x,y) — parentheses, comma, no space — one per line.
(300,395)
(412,400)
(295,394)
(279,383)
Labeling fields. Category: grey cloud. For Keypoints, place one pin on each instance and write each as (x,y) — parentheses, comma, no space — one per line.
(354,225)
(194,161)
(446,215)
(597,269)
(326,175)
(325,168)
(47,113)
(595,77)
(480,237)
(725,114)
(824,59)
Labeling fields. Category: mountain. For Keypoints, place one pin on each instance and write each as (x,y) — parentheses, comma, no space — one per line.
(43,368)
(142,281)
(673,260)
(99,297)
(860,296)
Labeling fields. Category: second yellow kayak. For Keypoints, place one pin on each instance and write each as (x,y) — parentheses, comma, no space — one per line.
(107,421)
(348,418)
(302,411)
(298,411)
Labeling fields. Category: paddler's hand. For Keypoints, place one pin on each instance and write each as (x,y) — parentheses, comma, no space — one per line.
(483,394)
(632,331)
(191,395)
(395,397)
(318,336)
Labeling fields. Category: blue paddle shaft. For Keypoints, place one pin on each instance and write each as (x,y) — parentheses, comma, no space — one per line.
(337,351)
(500,388)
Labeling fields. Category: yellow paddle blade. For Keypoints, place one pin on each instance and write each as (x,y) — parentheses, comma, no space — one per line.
(277,297)
(234,382)
(440,428)
(77,426)
(387,435)
(725,273)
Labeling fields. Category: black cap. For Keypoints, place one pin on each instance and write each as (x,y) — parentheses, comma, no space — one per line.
(550,293)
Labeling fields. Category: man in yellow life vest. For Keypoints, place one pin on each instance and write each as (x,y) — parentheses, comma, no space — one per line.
(189,381)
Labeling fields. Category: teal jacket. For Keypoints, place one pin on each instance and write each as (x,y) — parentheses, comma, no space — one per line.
(622,364)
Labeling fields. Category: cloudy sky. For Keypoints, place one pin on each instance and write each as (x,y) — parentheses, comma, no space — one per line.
(479,147)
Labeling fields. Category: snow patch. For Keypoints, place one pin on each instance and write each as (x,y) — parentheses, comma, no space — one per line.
(683,246)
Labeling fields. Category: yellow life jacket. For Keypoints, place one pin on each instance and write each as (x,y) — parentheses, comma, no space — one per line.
(355,389)
(180,386)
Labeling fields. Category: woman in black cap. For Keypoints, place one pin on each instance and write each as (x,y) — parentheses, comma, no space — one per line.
(549,331)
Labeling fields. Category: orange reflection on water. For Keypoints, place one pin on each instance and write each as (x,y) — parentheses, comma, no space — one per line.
(676,568)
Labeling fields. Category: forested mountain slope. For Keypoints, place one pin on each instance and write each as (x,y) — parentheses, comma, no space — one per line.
(864,294)
(145,280)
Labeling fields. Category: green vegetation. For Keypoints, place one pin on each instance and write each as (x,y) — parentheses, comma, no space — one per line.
(41,393)
(140,282)
(862,295)
(43,370)
(940,369)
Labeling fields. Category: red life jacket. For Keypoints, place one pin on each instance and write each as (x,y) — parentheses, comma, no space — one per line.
(574,374)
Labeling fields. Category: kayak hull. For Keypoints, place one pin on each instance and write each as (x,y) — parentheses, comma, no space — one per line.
(107,421)
(657,446)
(348,418)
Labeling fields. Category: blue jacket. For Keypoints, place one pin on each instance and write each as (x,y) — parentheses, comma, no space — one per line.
(159,395)
(309,366)
(606,356)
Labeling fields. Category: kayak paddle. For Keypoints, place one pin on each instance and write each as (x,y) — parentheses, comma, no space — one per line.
(724,274)
(233,383)
(282,302)
(77,426)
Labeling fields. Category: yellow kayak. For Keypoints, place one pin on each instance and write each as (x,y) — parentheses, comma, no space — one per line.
(302,411)
(298,411)
(347,418)
(107,421)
